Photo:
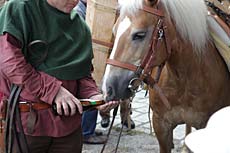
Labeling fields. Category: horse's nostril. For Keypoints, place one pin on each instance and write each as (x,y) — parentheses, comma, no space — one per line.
(110,91)
(110,94)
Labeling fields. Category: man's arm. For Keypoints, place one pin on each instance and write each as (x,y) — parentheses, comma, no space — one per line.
(14,68)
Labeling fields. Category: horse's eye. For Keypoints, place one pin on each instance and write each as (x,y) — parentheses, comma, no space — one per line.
(138,36)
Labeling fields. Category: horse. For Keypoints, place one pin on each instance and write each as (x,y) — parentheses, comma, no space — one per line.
(167,44)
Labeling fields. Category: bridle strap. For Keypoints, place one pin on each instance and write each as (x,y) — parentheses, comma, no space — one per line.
(153,83)
(153,11)
(148,61)
(123,65)
(110,128)
(160,32)
(151,48)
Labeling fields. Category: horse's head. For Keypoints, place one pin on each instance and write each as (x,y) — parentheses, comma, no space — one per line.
(135,30)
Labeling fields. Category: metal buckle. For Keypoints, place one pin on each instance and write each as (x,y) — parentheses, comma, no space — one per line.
(139,70)
(160,34)
(23,102)
(136,85)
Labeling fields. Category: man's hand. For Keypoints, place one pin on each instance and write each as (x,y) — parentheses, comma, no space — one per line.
(107,106)
(64,99)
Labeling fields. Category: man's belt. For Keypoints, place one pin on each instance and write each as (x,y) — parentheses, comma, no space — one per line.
(27,106)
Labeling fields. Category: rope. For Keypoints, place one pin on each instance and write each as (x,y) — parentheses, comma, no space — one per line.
(12,116)
(110,128)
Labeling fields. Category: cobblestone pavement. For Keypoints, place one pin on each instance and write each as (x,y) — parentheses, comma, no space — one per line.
(138,140)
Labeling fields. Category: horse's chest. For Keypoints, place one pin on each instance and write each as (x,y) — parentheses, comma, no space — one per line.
(179,115)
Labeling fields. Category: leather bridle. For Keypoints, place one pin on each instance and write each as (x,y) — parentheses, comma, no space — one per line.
(143,71)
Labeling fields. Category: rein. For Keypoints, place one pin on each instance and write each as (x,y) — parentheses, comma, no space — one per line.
(110,129)
(145,68)
(13,117)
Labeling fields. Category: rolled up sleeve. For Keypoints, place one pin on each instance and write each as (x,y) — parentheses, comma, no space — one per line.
(15,69)
(87,87)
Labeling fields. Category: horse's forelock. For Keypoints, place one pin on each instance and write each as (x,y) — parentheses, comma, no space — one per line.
(189,16)
(130,6)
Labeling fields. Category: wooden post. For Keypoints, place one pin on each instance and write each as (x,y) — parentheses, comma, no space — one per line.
(100,17)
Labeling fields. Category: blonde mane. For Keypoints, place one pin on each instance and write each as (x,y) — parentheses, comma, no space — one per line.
(188,15)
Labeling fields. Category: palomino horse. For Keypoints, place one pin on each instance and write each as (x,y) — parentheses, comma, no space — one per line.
(194,81)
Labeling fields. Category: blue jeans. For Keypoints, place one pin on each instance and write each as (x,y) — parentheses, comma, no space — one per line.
(89,121)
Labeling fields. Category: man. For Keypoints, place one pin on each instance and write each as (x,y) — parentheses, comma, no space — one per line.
(2,2)
(46,29)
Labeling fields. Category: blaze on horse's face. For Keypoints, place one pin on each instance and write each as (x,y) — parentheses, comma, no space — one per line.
(133,33)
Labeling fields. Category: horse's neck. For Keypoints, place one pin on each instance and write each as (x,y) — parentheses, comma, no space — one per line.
(182,57)
(186,64)
(191,77)
(183,60)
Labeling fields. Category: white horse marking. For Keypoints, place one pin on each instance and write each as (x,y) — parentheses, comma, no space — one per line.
(122,27)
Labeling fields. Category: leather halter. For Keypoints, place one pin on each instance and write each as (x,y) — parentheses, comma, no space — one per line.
(144,70)
(133,67)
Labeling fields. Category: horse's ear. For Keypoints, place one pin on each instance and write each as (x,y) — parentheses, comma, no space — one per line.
(151,2)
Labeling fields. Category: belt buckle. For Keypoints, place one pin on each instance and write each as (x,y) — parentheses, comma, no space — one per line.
(23,102)
(29,104)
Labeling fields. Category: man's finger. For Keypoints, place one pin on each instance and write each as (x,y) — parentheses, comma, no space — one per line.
(72,107)
(65,107)
(79,106)
(59,108)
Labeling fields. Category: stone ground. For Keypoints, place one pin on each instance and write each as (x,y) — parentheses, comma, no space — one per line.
(138,140)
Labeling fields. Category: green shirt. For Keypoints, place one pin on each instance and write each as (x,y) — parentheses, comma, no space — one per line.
(69,46)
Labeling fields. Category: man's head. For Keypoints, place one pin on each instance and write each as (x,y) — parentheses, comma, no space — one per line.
(65,6)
